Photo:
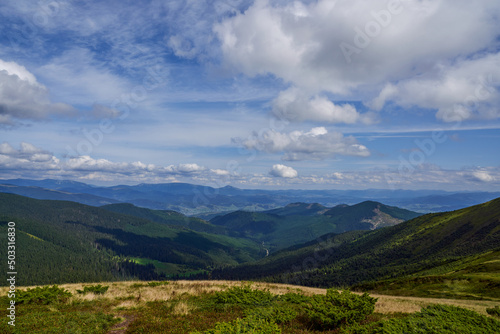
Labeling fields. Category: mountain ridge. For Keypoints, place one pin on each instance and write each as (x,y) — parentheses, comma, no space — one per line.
(194,199)
(430,244)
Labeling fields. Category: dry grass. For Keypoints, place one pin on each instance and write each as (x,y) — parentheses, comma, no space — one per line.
(181,308)
(393,304)
(132,294)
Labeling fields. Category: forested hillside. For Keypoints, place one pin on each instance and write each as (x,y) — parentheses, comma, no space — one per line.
(59,241)
(463,242)
(302,222)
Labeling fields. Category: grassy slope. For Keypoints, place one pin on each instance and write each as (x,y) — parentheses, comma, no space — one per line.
(181,307)
(53,234)
(454,245)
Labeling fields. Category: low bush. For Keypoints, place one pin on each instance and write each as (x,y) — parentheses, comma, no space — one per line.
(443,319)
(279,314)
(154,284)
(244,326)
(336,309)
(95,289)
(42,295)
(294,298)
(244,296)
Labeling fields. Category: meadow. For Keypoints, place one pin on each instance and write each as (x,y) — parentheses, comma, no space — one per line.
(234,306)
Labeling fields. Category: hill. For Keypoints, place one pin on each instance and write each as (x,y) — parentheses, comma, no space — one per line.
(461,246)
(60,241)
(302,222)
(299,209)
(168,217)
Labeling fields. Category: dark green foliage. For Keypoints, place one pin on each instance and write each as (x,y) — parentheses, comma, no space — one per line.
(279,313)
(365,210)
(244,296)
(95,289)
(495,311)
(42,295)
(153,284)
(45,321)
(66,242)
(335,309)
(165,217)
(442,319)
(244,326)
(301,222)
(293,298)
(430,245)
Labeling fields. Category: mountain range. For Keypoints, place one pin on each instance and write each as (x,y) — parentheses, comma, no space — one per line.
(63,239)
(452,253)
(367,245)
(301,222)
(206,202)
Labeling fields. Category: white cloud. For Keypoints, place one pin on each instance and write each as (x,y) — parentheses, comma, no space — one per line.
(22,97)
(427,49)
(29,161)
(464,89)
(220,172)
(184,168)
(317,144)
(27,157)
(483,176)
(283,171)
(293,105)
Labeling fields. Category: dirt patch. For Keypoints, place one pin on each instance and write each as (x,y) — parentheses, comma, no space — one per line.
(121,327)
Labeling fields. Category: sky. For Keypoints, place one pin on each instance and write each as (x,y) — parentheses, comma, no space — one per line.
(325,94)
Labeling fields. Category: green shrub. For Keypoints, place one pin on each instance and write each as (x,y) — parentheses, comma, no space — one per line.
(154,284)
(335,309)
(442,319)
(279,314)
(244,296)
(495,311)
(95,289)
(244,326)
(294,298)
(42,295)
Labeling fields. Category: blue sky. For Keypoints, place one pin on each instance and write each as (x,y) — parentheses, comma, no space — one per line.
(254,94)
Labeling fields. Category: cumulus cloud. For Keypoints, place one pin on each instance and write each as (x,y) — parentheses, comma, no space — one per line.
(220,172)
(483,176)
(465,90)
(184,169)
(42,163)
(396,42)
(22,97)
(316,144)
(283,171)
(27,157)
(87,163)
(293,105)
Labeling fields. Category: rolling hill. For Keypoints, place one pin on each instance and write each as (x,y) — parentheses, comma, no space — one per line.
(458,246)
(60,241)
(168,217)
(302,222)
